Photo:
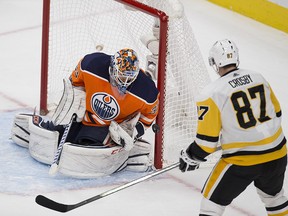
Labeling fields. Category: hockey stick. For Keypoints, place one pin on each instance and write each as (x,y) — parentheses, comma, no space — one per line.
(60,207)
(54,166)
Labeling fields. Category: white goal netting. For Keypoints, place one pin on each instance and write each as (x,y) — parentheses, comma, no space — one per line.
(79,27)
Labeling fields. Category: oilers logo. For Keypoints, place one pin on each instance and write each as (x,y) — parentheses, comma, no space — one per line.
(105,106)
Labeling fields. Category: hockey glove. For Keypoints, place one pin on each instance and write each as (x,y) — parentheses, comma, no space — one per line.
(187,162)
(120,136)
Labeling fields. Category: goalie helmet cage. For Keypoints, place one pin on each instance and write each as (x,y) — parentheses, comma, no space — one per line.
(74,28)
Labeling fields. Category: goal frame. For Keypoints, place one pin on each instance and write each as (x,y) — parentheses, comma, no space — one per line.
(161,81)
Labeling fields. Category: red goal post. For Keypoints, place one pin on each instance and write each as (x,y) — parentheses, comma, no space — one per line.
(180,72)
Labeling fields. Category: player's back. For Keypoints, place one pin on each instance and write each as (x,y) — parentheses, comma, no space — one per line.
(250,117)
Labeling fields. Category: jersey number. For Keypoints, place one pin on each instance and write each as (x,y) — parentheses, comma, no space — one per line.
(244,109)
(203,110)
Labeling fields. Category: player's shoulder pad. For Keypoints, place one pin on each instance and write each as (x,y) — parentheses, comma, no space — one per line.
(209,90)
(97,63)
(145,88)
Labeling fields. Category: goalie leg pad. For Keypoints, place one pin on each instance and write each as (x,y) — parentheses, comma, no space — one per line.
(139,159)
(20,133)
(43,143)
(84,162)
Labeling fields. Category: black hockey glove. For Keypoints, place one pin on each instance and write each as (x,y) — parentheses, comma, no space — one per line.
(187,162)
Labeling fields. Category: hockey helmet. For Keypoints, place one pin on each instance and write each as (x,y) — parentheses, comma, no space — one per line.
(124,69)
(223,52)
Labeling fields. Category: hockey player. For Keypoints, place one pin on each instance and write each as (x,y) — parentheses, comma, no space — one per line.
(240,111)
(115,102)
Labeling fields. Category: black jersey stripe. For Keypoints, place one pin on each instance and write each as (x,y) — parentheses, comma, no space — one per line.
(207,138)
(276,208)
(241,153)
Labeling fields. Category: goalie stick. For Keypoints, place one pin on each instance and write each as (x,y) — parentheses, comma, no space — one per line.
(54,166)
(60,207)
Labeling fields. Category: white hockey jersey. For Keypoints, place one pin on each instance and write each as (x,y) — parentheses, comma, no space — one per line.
(240,111)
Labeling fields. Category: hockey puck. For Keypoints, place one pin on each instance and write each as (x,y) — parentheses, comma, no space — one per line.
(155,128)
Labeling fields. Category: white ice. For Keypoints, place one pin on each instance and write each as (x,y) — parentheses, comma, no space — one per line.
(262,48)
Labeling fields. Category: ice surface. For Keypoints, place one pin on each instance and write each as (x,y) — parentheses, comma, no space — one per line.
(262,48)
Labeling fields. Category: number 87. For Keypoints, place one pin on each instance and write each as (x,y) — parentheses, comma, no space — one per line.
(245,110)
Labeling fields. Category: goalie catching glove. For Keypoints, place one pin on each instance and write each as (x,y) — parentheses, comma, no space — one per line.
(188,162)
(120,136)
(125,134)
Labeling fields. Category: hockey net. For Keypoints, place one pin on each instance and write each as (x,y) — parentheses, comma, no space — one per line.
(74,28)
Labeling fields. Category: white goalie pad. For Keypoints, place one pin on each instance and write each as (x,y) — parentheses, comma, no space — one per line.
(20,133)
(83,162)
(43,143)
(72,101)
(140,159)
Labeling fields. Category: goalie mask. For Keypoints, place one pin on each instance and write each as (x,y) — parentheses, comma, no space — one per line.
(124,69)
(223,52)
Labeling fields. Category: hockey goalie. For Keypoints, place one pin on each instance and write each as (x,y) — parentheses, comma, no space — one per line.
(107,104)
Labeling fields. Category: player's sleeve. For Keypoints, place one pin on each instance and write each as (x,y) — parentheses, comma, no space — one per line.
(276,103)
(76,77)
(148,115)
(208,128)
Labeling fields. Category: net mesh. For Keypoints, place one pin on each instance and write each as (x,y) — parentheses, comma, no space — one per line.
(79,27)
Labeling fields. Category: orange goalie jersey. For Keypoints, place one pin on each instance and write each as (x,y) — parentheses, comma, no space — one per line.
(104,103)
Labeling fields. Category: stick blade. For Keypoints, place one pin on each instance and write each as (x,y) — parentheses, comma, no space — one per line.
(53,169)
(48,203)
